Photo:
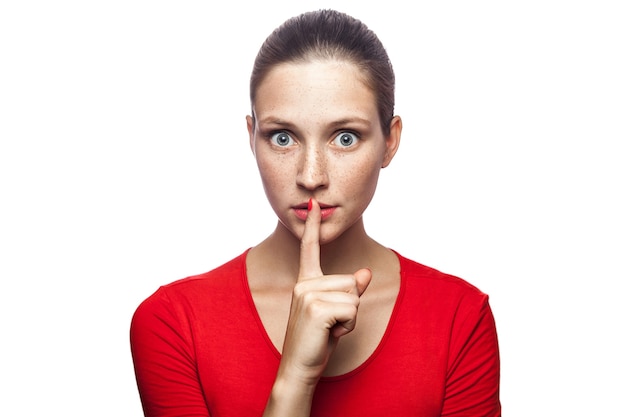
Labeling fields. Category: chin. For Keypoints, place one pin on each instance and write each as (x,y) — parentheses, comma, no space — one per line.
(330,236)
(326,236)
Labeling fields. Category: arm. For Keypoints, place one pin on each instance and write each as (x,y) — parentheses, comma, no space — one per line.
(323,309)
(473,380)
(164,361)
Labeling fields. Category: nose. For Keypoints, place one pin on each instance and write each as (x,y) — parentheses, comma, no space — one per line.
(312,173)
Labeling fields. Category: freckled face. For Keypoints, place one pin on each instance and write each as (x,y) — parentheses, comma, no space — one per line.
(316,133)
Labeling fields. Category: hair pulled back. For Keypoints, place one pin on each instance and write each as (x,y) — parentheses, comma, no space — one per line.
(330,35)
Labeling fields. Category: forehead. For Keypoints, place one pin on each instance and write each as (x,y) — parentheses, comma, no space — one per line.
(316,87)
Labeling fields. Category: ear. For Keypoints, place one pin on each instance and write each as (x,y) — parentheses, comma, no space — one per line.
(250,124)
(392,141)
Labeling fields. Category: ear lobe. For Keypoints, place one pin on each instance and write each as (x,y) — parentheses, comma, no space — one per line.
(392,141)
(250,126)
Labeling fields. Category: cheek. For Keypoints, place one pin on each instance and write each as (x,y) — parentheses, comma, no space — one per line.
(274,175)
(362,176)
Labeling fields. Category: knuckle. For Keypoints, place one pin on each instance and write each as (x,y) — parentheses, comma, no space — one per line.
(350,283)
(306,243)
(315,309)
(353,310)
(299,290)
(309,299)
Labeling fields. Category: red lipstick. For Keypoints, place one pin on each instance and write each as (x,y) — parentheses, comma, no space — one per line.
(327,212)
(301,210)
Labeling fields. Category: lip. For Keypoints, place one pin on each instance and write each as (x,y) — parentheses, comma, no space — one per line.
(301,210)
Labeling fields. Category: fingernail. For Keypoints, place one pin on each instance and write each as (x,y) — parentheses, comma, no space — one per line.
(310,203)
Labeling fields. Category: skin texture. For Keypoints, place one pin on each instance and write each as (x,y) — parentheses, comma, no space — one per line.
(313,103)
(318,143)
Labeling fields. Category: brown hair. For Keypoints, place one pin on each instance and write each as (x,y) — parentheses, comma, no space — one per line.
(329,34)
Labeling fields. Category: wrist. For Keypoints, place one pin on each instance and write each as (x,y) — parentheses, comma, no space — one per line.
(291,395)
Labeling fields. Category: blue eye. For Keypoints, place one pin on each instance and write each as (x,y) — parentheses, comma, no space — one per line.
(281,139)
(345,139)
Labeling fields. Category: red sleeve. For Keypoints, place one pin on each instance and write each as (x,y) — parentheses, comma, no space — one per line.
(164,360)
(473,380)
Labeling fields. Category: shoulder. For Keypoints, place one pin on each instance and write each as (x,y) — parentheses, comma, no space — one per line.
(414,270)
(226,270)
(434,287)
(445,303)
(192,291)
(217,277)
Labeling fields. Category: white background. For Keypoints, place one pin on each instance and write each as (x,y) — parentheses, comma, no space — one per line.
(124,165)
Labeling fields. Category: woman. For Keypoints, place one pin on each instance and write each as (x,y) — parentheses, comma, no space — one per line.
(274,332)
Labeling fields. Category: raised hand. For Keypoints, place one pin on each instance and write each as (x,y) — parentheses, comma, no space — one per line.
(324,307)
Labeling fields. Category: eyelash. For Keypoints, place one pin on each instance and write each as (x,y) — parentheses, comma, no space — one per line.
(271,135)
(355,136)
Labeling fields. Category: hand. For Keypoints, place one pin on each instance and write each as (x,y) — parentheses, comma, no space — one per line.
(324,307)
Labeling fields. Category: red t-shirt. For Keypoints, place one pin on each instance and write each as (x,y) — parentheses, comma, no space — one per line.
(200,349)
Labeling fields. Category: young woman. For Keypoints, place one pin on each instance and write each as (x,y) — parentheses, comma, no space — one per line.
(319,319)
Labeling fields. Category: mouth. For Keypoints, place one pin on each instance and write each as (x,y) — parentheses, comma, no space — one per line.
(301,210)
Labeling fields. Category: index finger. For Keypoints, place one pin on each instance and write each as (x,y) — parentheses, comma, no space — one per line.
(310,244)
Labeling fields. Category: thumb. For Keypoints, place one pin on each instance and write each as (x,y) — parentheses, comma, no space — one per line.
(363,278)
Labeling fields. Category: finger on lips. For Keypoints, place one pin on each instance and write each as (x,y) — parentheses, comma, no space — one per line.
(309,245)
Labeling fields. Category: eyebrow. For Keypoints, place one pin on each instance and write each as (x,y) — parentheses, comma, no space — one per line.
(271,120)
(352,120)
